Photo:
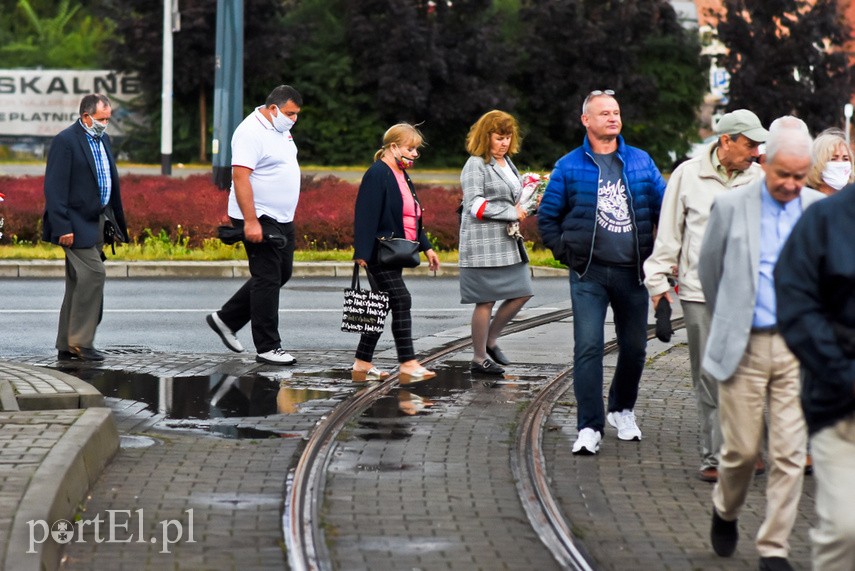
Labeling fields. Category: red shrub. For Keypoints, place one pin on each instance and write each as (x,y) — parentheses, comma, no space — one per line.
(23,207)
(162,203)
(324,216)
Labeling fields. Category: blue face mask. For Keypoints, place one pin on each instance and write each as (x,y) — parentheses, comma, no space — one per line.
(282,123)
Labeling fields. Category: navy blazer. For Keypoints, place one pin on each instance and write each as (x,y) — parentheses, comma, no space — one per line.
(379,211)
(72,196)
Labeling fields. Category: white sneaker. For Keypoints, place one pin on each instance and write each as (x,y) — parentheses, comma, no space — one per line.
(624,421)
(226,334)
(588,442)
(276,357)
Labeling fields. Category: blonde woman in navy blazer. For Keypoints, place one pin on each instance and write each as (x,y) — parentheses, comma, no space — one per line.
(387,205)
(493,263)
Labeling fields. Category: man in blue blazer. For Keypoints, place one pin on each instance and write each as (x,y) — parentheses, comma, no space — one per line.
(81,191)
(745,352)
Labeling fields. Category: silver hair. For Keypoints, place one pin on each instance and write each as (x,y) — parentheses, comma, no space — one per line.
(789,135)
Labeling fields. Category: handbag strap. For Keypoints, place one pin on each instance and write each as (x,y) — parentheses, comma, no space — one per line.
(421,210)
(354,281)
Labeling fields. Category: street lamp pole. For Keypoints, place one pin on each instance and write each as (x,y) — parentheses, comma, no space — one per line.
(228,87)
(847,112)
(166,92)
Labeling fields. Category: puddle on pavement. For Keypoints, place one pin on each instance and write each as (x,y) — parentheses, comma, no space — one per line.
(206,397)
(386,418)
(266,393)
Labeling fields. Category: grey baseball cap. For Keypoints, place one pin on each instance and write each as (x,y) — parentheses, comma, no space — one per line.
(742,122)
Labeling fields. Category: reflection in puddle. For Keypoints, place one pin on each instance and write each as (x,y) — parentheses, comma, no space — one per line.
(214,396)
(248,432)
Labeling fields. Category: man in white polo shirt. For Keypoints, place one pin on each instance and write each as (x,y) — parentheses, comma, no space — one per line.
(263,198)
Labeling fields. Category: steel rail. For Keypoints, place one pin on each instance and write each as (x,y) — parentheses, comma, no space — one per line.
(307,550)
(529,470)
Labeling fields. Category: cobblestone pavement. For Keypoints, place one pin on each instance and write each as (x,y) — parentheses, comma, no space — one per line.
(420,481)
(231,472)
(26,438)
(423,480)
(640,505)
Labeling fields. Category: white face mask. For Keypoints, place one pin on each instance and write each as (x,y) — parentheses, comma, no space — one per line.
(97,129)
(836,174)
(282,123)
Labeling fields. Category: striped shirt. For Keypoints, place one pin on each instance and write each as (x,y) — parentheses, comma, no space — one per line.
(102,167)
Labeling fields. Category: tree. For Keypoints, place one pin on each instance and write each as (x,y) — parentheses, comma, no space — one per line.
(440,64)
(634,47)
(468,74)
(137,46)
(341,117)
(787,57)
(64,40)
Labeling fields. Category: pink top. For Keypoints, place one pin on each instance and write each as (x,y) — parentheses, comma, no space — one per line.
(411,209)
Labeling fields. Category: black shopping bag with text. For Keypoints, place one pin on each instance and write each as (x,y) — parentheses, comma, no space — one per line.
(364,310)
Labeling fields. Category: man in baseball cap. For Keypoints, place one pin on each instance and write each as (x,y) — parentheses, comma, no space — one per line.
(727,163)
(739,137)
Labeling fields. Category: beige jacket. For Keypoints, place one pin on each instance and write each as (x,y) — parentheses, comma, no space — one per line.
(683,219)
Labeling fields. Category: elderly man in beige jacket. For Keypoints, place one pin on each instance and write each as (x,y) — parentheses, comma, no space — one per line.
(728,163)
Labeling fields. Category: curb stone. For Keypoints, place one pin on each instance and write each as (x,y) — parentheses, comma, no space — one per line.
(219,270)
(59,484)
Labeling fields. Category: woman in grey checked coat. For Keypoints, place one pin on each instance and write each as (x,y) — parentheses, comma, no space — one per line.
(493,263)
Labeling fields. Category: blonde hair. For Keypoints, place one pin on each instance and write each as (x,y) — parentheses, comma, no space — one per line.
(401,134)
(495,121)
(823,148)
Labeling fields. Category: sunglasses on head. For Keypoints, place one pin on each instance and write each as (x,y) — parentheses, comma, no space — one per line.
(598,92)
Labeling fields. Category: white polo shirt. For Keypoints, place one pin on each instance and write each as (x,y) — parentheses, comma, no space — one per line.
(275,176)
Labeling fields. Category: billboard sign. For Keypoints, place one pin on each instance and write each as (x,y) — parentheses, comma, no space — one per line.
(43,102)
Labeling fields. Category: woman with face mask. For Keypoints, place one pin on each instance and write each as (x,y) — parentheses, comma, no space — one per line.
(493,262)
(832,162)
(387,206)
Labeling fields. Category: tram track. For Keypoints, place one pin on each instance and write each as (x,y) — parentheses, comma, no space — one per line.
(529,468)
(304,538)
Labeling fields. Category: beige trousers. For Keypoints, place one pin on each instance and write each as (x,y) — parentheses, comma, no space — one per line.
(833,539)
(767,377)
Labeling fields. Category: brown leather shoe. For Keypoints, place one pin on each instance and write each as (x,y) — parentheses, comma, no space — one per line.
(708,474)
(759,467)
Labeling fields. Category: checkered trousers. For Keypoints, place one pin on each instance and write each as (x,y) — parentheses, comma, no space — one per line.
(391,281)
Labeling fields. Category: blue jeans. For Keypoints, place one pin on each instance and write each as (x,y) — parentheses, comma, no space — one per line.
(591,296)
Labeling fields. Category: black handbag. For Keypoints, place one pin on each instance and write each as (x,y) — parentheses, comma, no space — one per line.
(112,234)
(364,310)
(397,252)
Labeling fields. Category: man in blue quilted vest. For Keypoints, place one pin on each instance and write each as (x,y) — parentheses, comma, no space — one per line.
(598,216)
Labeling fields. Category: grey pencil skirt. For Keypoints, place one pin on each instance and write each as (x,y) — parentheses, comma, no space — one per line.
(480,285)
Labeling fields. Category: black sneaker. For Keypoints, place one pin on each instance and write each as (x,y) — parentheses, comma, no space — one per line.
(724,535)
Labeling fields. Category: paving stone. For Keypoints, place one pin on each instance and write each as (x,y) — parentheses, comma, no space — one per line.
(640,504)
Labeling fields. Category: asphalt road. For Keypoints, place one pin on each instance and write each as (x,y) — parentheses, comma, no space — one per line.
(169,315)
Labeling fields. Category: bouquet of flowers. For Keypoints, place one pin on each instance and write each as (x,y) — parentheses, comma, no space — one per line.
(533,186)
